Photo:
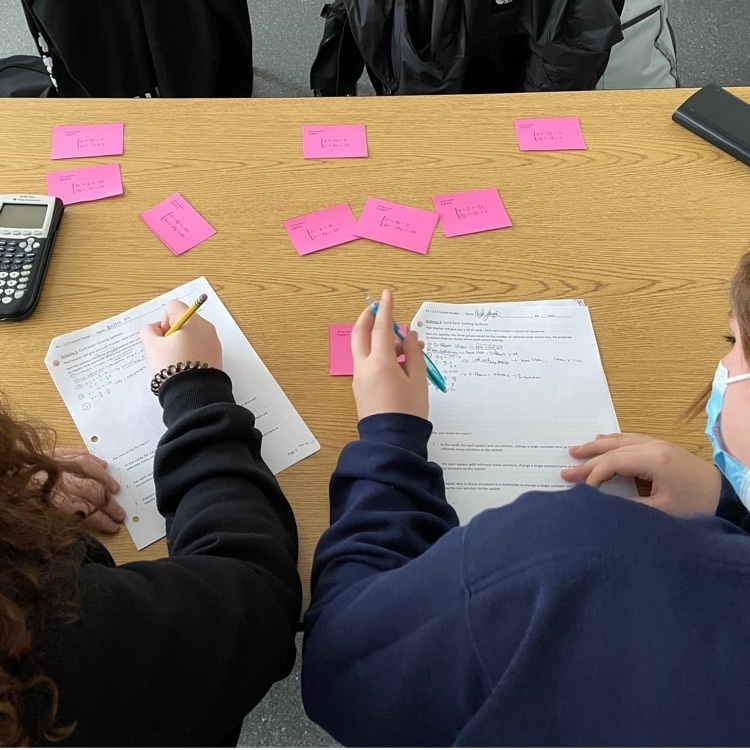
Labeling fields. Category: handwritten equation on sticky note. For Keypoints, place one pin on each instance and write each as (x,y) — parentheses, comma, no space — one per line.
(334,141)
(322,229)
(85,183)
(471,211)
(549,134)
(400,226)
(177,224)
(80,141)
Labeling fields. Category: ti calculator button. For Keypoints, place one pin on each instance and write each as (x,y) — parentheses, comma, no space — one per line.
(24,274)
(3,274)
(16,233)
(7,299)
(18,295)
(21,287)
(12,282)
(37,245)
(14,274)
(27,267)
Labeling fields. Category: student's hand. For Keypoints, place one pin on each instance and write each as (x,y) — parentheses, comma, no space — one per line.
(381,384)
(195,341)
(681,484)
(90,494)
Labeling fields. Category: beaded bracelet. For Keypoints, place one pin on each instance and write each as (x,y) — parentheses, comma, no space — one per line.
(160,377)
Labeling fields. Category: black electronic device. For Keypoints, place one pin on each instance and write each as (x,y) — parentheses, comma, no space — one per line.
(720,118)
(28,227)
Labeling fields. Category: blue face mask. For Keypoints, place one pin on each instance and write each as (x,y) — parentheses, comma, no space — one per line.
(738,474)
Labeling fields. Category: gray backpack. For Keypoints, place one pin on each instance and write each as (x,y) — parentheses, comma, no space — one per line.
(645,58)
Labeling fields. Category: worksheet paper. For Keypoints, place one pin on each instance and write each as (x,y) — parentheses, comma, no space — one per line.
(525,382)
(102,375)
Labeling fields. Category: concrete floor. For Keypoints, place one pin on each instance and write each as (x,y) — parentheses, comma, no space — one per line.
(712,45)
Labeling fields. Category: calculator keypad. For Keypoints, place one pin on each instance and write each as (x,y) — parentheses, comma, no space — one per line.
(17,258)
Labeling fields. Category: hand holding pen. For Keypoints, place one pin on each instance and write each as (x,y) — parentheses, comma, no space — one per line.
(433,374)
(167,343)
(381,384)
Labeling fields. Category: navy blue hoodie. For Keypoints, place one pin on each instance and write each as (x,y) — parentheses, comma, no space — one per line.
(563,618)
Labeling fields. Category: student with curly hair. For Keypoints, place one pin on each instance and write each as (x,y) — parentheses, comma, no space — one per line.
(173,652)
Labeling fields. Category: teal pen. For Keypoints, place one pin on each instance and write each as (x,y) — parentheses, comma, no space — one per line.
(433,373)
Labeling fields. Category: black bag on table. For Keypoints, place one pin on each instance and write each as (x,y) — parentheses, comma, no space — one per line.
(465,46)
(24,75)
(145,48)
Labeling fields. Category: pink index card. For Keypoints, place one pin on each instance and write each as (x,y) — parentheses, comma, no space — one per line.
(85,183)
(177,224)
(472,211)
(322,229)
(340,360)
(79,141)
(334,141)
(549,134)
(393,224)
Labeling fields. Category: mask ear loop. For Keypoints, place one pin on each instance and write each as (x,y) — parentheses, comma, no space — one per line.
(737,378)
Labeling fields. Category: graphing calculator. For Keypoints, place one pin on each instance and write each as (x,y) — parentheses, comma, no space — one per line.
(28,227)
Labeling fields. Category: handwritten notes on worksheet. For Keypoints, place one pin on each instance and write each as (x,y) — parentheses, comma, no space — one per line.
(85,184)
(525,382)
(549,134)
(102,375)
(393,224)
(334,141)
(322,229)
(177,224)
(471,211)
(79,141)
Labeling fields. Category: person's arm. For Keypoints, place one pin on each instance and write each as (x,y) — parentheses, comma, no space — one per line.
(181,649)
(388,656)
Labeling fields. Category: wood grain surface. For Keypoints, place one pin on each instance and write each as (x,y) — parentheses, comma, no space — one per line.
(646,226)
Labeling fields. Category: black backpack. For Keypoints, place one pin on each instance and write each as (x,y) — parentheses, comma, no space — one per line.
(24,75)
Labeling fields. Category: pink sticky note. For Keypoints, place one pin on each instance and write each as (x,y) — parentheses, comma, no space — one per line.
(397,225)
(334,141)
(549,134)
(78,141)
(472,211)
(177,224)
(322,229)
(340,361)
(85,184)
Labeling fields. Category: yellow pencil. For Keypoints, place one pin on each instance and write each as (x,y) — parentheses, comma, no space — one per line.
(187,314)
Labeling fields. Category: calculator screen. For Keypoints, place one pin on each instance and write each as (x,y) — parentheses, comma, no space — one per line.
(19,216)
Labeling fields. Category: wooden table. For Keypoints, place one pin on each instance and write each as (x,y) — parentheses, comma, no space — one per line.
(646,225)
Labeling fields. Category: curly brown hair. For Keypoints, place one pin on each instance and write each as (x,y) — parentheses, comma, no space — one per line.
(41,550)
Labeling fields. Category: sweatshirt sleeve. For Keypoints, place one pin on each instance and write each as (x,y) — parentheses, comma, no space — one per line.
(209,629)
(386,629)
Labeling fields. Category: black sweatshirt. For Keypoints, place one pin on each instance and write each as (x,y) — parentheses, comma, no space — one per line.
(177,651)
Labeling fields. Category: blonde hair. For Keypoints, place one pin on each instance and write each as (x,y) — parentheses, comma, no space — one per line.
(739,295)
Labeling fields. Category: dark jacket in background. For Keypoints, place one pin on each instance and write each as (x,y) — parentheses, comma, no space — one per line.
(145,48)
(465,46)
(175,652)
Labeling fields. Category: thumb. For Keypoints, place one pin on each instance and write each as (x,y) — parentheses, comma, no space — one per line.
(173,311)
(414,364)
